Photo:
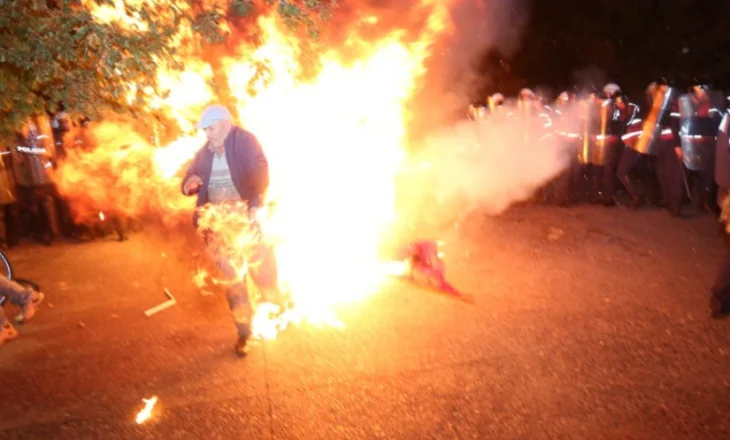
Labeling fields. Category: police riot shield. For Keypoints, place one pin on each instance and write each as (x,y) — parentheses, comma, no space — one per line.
(587,116)
(527,124)
(724,123)
(633,126)
(476,113)
(649,141)
(723,133)
(525,109)
(493,103)
(34,153)
(717,102)
(598,142)
(605,141)
(697,132)
(498,111)
(634,112)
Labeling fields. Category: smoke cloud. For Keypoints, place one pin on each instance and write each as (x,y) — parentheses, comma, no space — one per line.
(486,165)
(469,165)
(476,26)
(472,27)
(460,165)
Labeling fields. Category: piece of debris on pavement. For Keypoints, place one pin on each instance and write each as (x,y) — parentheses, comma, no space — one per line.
(81,324)
(555,234)
(158,308)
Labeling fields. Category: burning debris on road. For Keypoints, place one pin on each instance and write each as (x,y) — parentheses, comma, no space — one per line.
(423,263)
(145,413)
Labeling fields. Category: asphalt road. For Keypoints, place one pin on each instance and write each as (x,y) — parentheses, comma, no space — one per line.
(589,323)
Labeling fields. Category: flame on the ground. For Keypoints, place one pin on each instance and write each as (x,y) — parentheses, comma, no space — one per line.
(144,414)
(334,143)
(101,216)
(200,277)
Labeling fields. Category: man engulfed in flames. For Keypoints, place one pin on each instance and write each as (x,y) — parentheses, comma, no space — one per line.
(230,175)
(333,124)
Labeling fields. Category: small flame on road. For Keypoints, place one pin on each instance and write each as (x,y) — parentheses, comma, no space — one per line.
(101,216)
(145,413)
(199,279)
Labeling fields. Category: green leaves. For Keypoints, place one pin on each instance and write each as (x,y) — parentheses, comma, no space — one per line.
(207,24)
(241,7)
(305,12)
(57,51)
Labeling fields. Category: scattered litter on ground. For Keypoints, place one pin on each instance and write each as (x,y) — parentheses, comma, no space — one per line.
(555,234)
(158,308)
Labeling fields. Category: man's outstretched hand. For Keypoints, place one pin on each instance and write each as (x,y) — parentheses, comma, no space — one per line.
(192,184)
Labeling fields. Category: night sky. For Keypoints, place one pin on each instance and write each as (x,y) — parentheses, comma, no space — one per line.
(631,42)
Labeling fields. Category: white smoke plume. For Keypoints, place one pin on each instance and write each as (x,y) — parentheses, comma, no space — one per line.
(463,165)
(476,27)
(485,165)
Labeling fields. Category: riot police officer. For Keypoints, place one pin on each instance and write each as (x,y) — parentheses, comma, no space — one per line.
(601,147)
(60,126)
(610,90)
(699,119)
(565,129)
(660,138)
(33,158)
(631,159)
(495,103)
(528,120)
(476,112)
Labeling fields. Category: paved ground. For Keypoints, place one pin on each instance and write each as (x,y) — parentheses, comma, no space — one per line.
(589,323)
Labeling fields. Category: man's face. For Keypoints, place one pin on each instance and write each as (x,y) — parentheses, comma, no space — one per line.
(217,132)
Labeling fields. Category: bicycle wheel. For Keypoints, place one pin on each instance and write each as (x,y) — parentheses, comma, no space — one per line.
(5,267)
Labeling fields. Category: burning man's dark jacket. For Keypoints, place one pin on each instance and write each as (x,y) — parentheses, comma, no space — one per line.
(246,161)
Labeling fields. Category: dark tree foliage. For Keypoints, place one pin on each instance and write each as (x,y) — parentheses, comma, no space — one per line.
(56,51)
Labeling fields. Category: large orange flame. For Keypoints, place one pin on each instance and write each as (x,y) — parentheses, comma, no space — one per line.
(334,142)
